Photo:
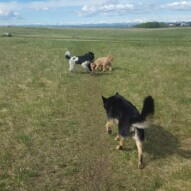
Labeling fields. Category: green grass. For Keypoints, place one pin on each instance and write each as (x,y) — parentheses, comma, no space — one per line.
(52,123)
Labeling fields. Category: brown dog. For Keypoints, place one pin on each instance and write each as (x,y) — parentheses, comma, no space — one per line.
(103,62)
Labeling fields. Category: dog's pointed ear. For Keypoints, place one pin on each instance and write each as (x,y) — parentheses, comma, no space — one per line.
(104,99)
(116,93)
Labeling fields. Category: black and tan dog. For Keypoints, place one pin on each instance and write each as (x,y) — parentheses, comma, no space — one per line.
(129,120)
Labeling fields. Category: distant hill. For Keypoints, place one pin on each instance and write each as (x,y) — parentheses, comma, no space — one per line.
(91,25)
(107,25)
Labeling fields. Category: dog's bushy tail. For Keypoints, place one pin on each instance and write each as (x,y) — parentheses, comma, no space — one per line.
(146,117)
(67,55)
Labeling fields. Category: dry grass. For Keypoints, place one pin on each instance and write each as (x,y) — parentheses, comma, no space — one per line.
(52,134)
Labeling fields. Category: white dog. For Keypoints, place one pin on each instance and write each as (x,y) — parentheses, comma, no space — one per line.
(84,60)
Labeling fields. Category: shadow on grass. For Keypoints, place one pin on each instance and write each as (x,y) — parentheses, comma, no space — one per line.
(99,72)
(94,74)
(160,144)
(107,72)
(119,68)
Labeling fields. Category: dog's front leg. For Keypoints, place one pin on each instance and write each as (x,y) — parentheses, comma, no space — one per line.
(109,125)
(121,143)
(96,67)
(103,68)
(71,65)
(117,137)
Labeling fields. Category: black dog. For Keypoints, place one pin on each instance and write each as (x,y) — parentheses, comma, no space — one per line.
(129,120)
(84,60)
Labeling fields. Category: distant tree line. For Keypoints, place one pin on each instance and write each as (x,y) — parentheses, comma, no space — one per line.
(151,25)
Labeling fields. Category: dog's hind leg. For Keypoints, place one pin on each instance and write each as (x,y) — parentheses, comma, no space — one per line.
(140,153)
(110,67)
(139,138)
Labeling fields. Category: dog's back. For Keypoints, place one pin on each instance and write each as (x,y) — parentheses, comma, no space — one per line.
(122,108)
(104,60)
(86,57)
(127,114)
(80,59)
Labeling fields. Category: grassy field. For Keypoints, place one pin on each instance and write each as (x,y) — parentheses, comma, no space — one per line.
(52,122)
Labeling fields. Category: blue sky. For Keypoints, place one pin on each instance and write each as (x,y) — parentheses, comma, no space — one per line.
(59,12)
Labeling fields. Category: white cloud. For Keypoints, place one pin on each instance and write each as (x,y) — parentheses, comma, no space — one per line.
(116,7)
(42,9)
(13,5)
(106,8)
(182,5)
(112,9)
(9,10)
(41,5)
(8,14)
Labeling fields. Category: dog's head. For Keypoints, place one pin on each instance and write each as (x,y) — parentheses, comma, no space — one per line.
(110,105)
(111,110)
(93,66)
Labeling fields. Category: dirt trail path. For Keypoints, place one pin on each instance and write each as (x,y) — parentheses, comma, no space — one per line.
(95,159)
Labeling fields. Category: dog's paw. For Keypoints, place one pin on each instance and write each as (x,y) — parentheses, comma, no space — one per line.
(140,166)
(119,147)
